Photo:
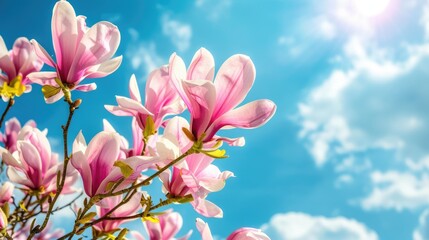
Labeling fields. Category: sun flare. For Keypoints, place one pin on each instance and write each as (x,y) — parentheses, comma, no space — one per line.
(371,8)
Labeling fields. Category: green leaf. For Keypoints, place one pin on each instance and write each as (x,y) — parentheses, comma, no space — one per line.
(126,170)
(218,153)
(150,219)
(149,128)
(87,218)
(49,91)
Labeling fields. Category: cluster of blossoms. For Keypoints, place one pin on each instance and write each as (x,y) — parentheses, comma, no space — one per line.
(166,147)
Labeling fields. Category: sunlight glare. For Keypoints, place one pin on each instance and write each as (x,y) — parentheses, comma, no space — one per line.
(371,8)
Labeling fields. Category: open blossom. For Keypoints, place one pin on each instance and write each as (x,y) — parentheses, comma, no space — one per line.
(239,234)
(161,99)
(168,226)
(10,136)
(6,191)
(131,208)
(212,104)
(16,65)
(96,162)
(198,177)
(33,164)
(81,52)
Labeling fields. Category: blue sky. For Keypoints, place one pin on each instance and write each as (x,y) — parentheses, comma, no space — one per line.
(346,155)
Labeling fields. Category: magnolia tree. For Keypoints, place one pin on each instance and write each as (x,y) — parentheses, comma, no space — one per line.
(166,147)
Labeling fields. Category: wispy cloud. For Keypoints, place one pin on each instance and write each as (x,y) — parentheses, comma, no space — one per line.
(214,8)
(397,190)
(179,33)
(143,56)
(422,230)
(301,226)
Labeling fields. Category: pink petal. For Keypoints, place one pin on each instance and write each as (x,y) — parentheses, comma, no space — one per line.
(174,128)
(202,66)
(102,152)
(42,54)
(204,229)
(134,89)
(64,35)
(251,115)
(30,155)
(103,69)
(9,160)
(233,81)
(16,175)
(132,105)
(119,111)
(237,142)
(202,97)
(97,45)
(177,73)
(80,163)
(6,64)
(207,208)
(24,58)
(86,87)
(43,78)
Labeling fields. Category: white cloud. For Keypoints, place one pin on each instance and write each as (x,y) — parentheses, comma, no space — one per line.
(143,56)
(422,230)
(179,33)
(301,226)
(397,190)
(372,103)
(214,8)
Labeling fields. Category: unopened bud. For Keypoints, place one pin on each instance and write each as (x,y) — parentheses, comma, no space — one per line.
(77,103)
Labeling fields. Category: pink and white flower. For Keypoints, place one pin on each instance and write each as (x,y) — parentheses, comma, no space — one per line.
(10,136)
(6,191)
(16,64)
(81,52)
(168,226)
(239,234)
(161,100)
(128,209)
(198,177)
(34,165)
(212,104)
(96,162)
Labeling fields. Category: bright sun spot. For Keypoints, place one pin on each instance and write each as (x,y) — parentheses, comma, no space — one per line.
(371,8)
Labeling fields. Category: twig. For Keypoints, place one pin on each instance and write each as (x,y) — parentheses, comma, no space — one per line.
(9,105)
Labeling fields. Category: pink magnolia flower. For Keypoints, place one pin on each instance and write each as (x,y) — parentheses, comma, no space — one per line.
(9,138)
(34,165)
(6,191)
(168,226)
(96,162)
(212,104)
(161,100)
(81,52)
(198,177)
(130,208)
(239,234)
(16,65)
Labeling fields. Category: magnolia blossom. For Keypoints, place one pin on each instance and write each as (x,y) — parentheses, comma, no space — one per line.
(168,226)
(212,104)
(10,136)
(131,208)
(6,191)
(102,162)
(198,177)
(16,65)
(33,164)
(161,99)
(81,52)
(3,220)
(239,234)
